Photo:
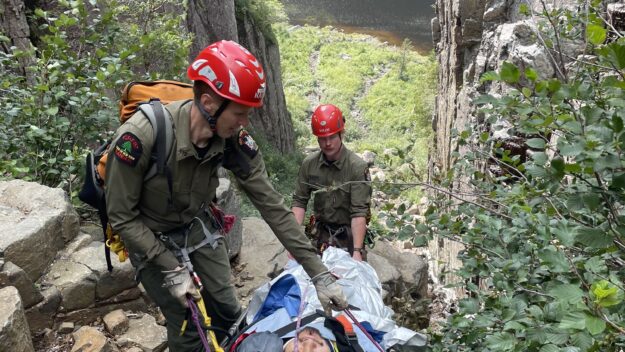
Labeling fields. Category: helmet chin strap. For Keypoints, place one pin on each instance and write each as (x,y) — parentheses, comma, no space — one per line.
(212,119)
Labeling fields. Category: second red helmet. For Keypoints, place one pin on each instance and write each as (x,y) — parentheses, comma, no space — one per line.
(327,120)
(232,71)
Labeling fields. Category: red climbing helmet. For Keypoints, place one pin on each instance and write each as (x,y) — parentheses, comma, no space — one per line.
(327,120)
(232,71)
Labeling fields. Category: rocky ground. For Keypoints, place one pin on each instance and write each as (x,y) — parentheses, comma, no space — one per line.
(409,313)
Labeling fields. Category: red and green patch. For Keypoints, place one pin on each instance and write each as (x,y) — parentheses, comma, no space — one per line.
(128,149)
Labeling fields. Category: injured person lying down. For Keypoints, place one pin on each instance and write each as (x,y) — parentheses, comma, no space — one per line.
(308,339)
(286,314)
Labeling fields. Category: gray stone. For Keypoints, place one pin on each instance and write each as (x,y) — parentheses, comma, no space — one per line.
(108,284)
(495,11)
(435,24)
(42,315)
(35,222)
(13,275)
(81,241)
(369,157)
(93,230)
(413,269)
(144,333)
(66,327)
(116,322)
(387,273)
(89,315)
(14,330)
(90,339)
(263,253)
(75,281)
(228,200)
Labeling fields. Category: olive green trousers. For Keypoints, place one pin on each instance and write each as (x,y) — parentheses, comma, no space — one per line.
(222,305)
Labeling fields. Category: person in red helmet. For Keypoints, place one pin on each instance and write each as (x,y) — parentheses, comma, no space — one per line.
(167,225)
(341,182)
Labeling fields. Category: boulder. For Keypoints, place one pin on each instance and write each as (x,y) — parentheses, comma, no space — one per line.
(75,281)
(35,222)
(41,316)
(262,253)
(14,330)
(13,275)
(145,334)
(229,201)
(116,322)
(412,269)
(90,339)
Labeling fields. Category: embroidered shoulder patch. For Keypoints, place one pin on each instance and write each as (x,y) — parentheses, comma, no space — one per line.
(247,144)
(128,149)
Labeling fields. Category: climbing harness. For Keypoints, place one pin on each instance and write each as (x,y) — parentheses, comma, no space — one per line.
(195,309)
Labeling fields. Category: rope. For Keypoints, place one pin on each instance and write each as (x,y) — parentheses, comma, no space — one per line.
(198,325)
(302,303)
(362,328)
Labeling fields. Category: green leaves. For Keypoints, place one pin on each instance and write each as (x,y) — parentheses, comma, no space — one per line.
(509,73)
(501,341)
(606,294)
(536,143)
(596,34)
(593,237)
(567,293)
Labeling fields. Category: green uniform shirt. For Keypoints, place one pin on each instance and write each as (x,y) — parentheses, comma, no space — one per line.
(348,200)
(138,208)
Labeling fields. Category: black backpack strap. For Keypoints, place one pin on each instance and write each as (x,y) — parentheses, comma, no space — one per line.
(162,125)
(104,220)
(291,326)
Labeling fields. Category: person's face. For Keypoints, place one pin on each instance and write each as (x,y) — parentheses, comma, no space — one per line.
(232,119)
(330,146)
(309,341)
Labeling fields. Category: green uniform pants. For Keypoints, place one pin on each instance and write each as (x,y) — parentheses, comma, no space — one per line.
(213,268)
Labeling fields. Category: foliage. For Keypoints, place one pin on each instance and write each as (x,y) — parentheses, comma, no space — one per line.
(544,228)
(362,77)
(55,116)
(151,28)
(282,170)
(264,14)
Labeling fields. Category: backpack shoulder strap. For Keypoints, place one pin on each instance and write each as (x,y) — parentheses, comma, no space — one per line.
(163,129)
(160,118)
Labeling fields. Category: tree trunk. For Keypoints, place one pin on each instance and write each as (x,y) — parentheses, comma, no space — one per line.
(273,118)
(13,25)
(210,21)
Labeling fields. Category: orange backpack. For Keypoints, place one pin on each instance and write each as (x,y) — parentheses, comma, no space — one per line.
(148,97)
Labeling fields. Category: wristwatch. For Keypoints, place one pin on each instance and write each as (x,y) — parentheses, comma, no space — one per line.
(361,250)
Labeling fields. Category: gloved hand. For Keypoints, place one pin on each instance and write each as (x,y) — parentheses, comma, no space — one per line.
(329,292)
(179,284)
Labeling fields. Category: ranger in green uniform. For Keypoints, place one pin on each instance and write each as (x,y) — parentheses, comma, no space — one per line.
(340,181)
(165,220)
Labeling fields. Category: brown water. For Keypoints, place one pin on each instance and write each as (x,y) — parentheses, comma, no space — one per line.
(389,20)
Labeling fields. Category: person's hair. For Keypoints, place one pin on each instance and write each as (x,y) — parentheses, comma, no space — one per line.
(200,88)
(310,329)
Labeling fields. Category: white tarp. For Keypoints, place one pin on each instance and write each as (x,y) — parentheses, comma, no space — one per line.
(363,289)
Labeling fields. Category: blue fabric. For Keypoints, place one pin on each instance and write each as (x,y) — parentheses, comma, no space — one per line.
(284,293)
(378,336)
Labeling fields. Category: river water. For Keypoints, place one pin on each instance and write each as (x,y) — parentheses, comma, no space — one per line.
(389,20)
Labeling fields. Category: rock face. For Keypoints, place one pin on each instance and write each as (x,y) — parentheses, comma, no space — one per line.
(473,37)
